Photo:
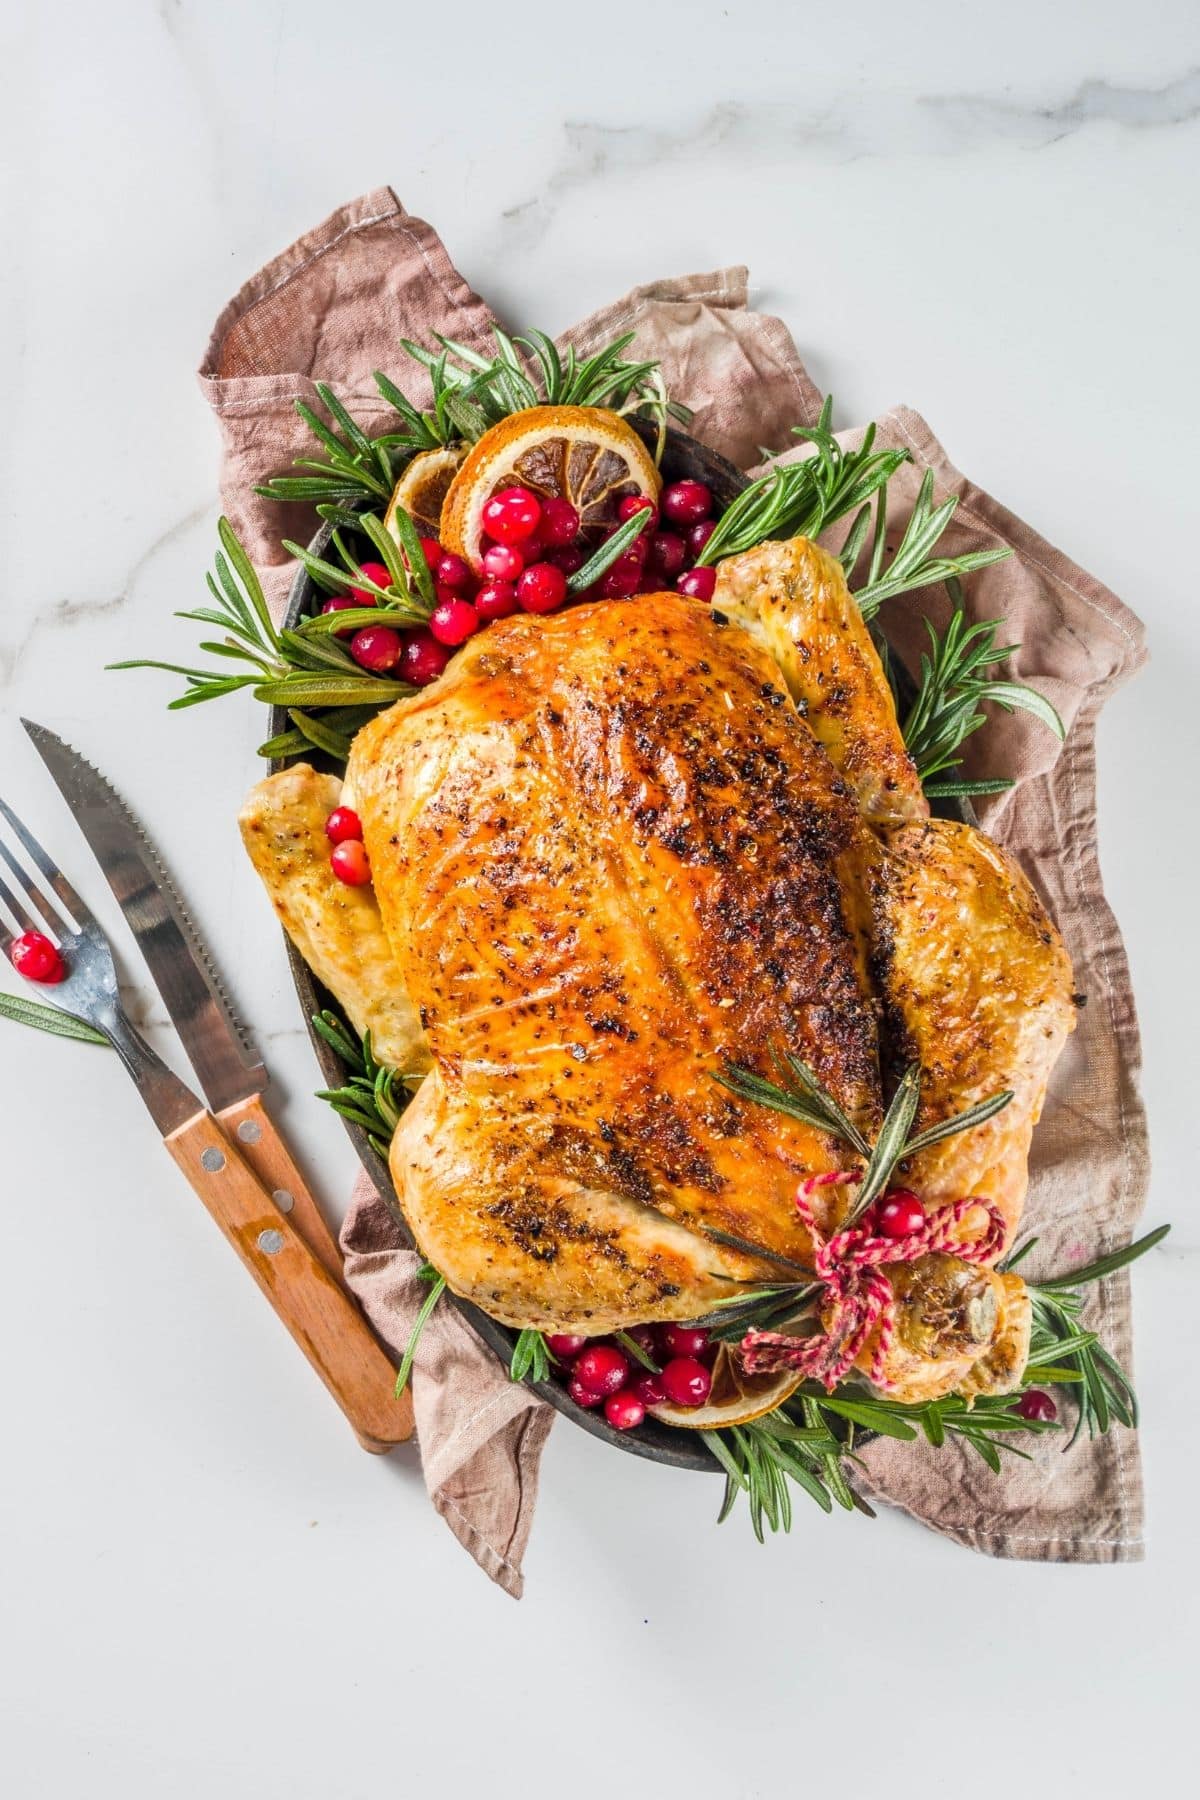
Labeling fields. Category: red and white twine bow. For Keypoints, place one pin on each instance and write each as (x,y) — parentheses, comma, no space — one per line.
(858,1295)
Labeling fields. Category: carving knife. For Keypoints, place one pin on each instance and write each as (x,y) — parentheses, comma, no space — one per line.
(229,1070)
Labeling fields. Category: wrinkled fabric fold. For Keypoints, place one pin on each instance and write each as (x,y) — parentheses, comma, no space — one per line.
(332,309)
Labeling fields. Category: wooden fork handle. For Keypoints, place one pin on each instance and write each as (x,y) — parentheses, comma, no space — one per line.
(251,1126)
(321,1316)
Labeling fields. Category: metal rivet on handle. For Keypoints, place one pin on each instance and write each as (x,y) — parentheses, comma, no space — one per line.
(249,1131)
(270,1242)
(212,1159)
(283,1200)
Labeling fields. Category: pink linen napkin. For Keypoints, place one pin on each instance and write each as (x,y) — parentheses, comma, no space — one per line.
(333,308)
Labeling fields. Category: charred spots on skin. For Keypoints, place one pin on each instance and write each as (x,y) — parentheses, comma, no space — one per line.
(600,1161)
(542,1230)
(609,1025)
(665,1139)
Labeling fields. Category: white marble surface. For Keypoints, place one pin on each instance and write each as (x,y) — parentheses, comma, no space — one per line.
(207,1589)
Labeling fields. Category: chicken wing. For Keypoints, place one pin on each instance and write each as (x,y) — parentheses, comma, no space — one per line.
(336,929)
(793,599)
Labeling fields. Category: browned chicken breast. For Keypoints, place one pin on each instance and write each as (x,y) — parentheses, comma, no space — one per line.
(611,857)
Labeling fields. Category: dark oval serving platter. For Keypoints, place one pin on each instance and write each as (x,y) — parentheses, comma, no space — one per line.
(684,458)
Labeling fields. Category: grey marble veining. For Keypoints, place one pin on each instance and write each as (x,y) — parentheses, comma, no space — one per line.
(846,127)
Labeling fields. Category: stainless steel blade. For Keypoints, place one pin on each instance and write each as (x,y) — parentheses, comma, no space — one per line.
(227,1066)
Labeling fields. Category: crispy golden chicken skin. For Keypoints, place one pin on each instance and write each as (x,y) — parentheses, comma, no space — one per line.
(792,598)
(619,847)
(611,857)
(976,987)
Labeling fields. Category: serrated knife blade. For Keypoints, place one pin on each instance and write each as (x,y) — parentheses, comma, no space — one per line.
(227,1066)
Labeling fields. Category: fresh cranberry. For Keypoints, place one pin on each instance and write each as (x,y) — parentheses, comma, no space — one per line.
(1037,1404)
(624,1411)
(649,1389)
(454,572)
(513,515)
(542,588)
(564,1345)
(684,1340)
(602,1369)
(568,559)
(36,957)
(687,502)
(377,647)
(899,1214)
(502,563)
(582,1396)
(343,825)
(453,620)
(344,603)
(423,658)
(380,575)
(350,863)
(638,503)
(668,553)
(697,584)
(698,535)
(623,577)
(431,550)
(645,1337)
(560,522)
(496,600)
(686,1382)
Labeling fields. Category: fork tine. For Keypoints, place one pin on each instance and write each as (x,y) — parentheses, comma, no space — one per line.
(24,922)
(33,892)
(54,875)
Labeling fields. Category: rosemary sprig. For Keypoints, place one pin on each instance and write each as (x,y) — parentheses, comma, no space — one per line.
(912,565)
(530,370)
(48,1018)
(530,1359)
(800,1095)
(800,499)
(374,1095)
(635,1352)
(1062,1350)
(305,668)
(437,1287)
(602,559)
(812,1452)
(357,468)
(767,1308)
(955,683)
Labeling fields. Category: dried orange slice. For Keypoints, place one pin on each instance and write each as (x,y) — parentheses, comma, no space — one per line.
(585,454)
(423,487)
(735,1398)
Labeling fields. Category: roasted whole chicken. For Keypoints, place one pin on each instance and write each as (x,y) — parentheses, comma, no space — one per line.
(619,849)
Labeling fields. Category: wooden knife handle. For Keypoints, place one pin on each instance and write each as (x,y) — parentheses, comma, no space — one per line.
(250,1124)
(321,1316)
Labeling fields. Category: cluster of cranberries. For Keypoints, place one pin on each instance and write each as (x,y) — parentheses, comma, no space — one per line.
(531,547)
(37,957)
(348,859)
(599,1373)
